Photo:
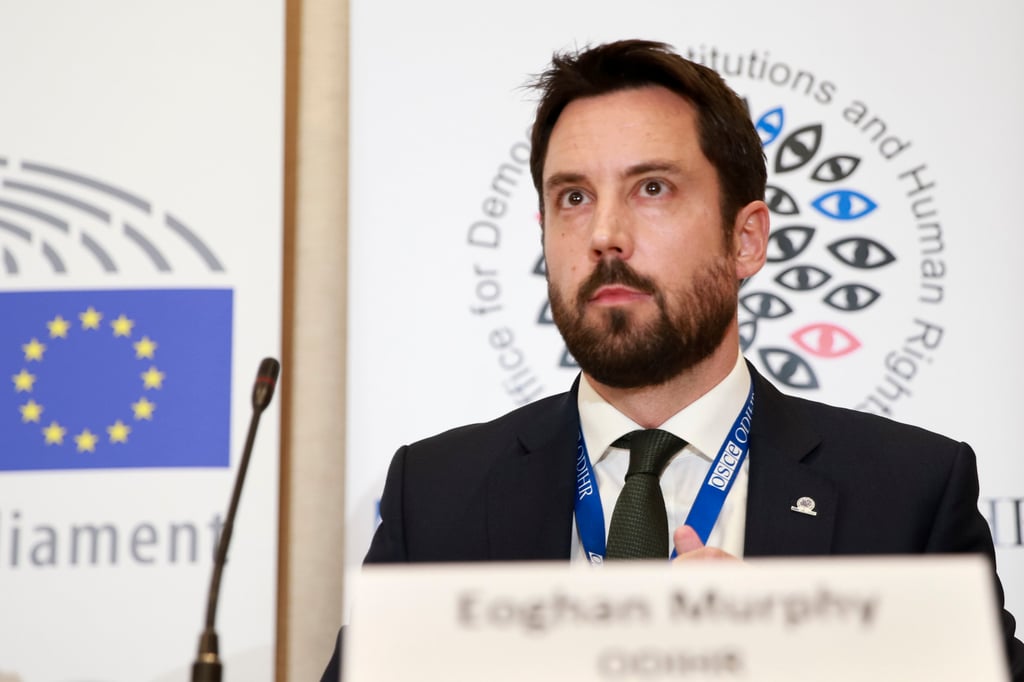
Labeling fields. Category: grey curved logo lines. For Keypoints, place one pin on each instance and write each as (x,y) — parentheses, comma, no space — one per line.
(55,220)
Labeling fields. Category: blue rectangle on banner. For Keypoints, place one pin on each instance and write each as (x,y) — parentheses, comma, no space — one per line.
(115,379)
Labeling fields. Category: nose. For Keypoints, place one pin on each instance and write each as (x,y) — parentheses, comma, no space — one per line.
(612,234)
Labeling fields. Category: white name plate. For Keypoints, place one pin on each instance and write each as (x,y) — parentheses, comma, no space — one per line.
(777,619)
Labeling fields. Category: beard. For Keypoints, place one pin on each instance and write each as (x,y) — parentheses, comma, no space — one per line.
(622,352)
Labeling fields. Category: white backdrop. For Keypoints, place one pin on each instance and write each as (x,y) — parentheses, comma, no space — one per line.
(152,132)
(918,318)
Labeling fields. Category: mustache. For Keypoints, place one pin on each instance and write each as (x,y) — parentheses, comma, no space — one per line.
(613,271)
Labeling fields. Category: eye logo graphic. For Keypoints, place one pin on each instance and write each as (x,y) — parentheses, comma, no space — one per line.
(798,159)
(106,378)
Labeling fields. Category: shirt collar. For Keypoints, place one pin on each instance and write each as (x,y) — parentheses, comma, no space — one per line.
(703,423)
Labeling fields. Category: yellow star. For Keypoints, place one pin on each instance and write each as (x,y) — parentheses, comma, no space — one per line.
(30,411)
(143,409)
(90,318)
(33,350)
(122,326)
(119,432)
(152,378)
(54,434)
(58,328)
(145,348)
(23,381)
(86,441)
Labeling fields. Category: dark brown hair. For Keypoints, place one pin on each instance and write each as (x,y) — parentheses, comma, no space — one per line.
(727,136)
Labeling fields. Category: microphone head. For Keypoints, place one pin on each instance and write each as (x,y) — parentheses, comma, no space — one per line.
(266,380)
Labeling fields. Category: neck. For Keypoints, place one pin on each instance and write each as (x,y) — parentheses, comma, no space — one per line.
(651,406)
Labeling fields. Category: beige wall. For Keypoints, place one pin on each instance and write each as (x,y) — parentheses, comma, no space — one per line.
(313,389)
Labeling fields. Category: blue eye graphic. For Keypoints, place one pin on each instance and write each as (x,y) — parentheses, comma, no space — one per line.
(803,277)
(835,168)
(768,306)
(770,125)
(779,201)
(844,204)
(861,252)
(788,368)
(850,297)
(799,148)
(789,242)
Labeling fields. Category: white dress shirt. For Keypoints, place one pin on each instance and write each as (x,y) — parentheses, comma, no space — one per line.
(704,425)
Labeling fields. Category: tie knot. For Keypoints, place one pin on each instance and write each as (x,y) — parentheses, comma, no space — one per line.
(650,450)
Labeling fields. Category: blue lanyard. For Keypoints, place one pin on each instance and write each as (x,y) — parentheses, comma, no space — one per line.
(706,507)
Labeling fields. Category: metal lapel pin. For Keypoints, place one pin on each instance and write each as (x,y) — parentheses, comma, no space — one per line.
(805,505)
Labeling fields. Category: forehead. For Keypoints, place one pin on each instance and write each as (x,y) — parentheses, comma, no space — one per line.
(624,127)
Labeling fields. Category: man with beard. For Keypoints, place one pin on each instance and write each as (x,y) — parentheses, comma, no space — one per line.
(651,180)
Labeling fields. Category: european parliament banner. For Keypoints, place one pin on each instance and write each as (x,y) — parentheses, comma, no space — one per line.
(892,134)
(140,281)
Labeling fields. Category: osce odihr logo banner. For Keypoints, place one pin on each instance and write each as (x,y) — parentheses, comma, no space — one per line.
(107,379)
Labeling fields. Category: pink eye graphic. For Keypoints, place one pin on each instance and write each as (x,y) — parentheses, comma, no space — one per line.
(825,340)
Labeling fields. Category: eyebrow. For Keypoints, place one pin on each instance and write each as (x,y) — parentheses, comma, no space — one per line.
(569,178)
(652,167)
(562,179)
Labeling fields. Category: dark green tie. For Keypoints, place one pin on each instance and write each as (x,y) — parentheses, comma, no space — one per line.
(639,527)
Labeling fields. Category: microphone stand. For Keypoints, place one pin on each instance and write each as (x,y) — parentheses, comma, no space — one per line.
(207,666)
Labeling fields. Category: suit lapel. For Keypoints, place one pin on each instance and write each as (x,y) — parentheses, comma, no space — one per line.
(531,489)
(781,449)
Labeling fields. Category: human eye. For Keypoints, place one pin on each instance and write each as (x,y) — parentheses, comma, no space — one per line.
(572,198)
(653,188)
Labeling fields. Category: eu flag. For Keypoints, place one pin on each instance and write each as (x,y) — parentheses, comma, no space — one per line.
(115,379)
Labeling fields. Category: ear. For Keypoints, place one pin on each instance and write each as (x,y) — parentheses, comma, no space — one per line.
(750,239)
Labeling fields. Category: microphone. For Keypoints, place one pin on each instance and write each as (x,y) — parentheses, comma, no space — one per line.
(207,666)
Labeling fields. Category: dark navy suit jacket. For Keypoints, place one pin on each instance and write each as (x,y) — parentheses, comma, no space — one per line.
(504,490)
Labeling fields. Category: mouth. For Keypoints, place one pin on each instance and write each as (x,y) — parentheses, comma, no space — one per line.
(614,283)
(617,294)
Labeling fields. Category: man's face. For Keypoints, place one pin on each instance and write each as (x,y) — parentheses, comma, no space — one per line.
(641,282)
